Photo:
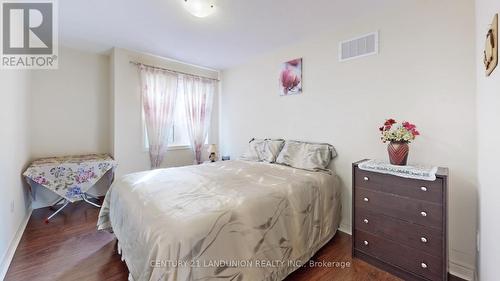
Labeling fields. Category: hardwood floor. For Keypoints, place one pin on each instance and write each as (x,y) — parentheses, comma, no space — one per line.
(70,248)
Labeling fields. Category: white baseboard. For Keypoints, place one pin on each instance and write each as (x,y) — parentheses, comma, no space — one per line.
(461,271)
(462,264)
(13,246)
(345,228)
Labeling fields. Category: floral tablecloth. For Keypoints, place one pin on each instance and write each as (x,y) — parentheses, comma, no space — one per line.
(70,176)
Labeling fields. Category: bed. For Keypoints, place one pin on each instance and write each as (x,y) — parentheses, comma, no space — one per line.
(229,220)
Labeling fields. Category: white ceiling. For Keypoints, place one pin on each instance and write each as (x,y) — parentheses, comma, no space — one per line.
(236,32)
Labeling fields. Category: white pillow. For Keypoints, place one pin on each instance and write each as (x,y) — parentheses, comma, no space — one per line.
(305,155)
(266,150)
(273,148)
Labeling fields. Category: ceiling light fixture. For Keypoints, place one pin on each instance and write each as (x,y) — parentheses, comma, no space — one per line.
(200,8)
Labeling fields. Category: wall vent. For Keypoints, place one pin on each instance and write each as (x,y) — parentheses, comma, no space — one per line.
(358,47)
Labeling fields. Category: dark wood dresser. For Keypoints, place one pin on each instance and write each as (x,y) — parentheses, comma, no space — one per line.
(400,224)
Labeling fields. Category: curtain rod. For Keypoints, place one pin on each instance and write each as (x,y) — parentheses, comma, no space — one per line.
(174,71)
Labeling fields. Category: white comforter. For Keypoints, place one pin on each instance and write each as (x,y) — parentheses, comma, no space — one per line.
(232,220)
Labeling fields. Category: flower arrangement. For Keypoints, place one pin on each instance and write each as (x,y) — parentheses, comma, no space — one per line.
(405,133)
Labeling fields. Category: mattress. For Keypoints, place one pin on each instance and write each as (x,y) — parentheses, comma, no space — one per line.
(230,220)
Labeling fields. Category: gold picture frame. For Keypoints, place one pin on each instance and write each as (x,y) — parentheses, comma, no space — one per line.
(491,47)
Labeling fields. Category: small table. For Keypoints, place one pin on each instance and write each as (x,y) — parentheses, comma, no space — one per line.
(70,177)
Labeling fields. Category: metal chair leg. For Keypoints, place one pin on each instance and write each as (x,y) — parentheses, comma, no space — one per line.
(55,204)
(56,212)
(84,197)
(91,196)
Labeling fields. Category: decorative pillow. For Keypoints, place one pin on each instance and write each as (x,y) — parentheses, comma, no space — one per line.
(305,155)
(254,151)
(272,149)
(263,150)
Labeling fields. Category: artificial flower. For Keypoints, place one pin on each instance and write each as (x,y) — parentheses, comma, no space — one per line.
(390,122)
(406,132)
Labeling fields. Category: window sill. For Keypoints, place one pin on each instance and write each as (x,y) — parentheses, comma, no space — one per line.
(176,147)
(179,147)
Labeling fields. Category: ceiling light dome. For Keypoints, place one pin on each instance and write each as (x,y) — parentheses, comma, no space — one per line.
(200,8)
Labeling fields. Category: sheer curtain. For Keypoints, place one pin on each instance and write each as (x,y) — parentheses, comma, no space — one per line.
(198,95)
(158,93)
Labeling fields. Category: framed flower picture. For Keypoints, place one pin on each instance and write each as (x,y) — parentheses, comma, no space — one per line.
(291,78)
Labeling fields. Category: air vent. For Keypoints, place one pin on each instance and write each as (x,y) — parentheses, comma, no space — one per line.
(359,47)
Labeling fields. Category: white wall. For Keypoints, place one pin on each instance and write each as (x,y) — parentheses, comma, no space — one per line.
(128,148)
(14,156)
(70,110)
(424,73)
(488,112)
(70,106)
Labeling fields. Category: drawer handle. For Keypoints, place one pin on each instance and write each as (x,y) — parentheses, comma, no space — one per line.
(366,199)
(366,179)
(365,221)
(423,239)
(423,265)
(365,242)
(423,214)
(423,188)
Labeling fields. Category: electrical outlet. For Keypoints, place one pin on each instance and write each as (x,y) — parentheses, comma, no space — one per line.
(12,206)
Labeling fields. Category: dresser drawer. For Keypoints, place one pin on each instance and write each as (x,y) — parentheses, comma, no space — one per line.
(415,261)
(419,189)
(416,211)
(426,239)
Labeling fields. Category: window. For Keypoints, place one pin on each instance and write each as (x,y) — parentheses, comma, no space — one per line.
(179,136)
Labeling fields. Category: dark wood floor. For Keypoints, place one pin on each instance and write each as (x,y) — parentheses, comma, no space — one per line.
(70,248)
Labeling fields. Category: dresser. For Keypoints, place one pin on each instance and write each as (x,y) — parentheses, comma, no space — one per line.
(400,224)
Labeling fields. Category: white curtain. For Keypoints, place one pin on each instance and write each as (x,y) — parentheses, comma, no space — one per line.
(199,93)
(158,93)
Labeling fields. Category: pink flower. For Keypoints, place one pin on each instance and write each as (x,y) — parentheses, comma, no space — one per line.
(289,80)
(409,126)
(40,180)
(84,176)
(390,122)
